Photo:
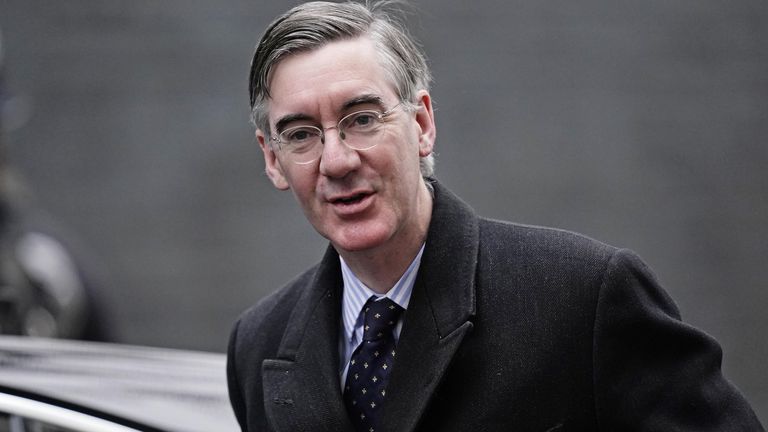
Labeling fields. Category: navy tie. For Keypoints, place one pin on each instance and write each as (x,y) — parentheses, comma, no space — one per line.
(371,363)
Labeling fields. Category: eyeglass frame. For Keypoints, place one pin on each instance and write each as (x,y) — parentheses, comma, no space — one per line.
(379,117)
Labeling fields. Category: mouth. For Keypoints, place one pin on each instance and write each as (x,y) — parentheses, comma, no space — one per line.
(349,200)
(352,204)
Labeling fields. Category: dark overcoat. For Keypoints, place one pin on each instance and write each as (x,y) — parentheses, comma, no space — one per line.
(509,328)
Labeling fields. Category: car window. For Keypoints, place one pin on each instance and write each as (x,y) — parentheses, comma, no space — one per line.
(14,423)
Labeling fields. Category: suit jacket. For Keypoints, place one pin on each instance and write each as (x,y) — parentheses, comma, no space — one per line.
(509,327)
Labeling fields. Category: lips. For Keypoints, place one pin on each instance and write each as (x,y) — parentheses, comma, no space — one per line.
(352,203)
(352,199)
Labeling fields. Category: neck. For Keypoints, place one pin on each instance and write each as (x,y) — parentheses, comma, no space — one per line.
(381,267)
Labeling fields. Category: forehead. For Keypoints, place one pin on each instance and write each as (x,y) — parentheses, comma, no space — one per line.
(322,80)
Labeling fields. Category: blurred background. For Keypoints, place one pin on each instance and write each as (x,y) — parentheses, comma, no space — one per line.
(642,124)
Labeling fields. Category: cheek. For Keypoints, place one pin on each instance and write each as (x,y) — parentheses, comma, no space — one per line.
(301,182)
(402,147)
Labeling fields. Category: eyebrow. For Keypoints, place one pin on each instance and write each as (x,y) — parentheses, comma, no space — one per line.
(365,99)
(288,119)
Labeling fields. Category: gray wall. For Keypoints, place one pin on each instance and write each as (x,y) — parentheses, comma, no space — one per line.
(643,124)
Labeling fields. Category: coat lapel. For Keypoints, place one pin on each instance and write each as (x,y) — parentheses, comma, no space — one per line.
(301,386)
(439,313)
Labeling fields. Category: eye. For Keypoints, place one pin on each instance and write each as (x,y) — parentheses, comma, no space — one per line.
(361,121)
(300,135)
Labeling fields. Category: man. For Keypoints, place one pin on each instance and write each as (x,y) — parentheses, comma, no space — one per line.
(421,315)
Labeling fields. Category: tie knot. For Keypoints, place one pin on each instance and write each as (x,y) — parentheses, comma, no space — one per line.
(380,318)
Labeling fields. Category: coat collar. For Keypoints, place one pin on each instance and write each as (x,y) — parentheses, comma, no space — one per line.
(301,386)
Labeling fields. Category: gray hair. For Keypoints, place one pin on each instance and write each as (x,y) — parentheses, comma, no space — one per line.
(312,25)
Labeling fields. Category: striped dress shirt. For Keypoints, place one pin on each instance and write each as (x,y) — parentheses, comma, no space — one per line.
(356,293)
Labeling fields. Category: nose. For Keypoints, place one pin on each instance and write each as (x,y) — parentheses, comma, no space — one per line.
(337,159)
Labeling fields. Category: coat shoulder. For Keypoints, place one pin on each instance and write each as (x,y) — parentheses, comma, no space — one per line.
(545,245)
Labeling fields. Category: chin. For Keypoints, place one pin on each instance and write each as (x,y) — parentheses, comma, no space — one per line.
(360,237)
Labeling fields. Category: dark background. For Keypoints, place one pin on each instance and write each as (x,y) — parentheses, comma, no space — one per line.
(642,124)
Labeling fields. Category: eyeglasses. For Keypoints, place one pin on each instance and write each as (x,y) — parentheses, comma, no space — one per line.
(304,144)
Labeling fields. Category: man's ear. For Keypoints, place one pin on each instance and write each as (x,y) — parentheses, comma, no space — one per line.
(425,118)
(273,168)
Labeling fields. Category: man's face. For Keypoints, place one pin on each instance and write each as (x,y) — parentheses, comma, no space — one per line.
(359,199)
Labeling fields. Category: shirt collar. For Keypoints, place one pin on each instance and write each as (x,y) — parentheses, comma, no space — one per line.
(356,293)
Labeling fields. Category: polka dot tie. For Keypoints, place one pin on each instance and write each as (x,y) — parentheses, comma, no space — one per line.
(371,363)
